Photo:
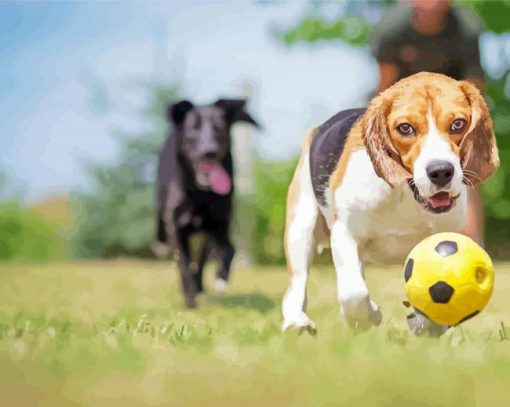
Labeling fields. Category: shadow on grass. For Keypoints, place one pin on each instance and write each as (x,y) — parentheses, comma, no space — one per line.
(254,301)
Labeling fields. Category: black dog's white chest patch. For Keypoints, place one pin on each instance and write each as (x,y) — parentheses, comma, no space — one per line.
(326,149)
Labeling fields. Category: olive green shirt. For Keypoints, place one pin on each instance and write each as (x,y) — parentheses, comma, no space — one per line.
(453,52)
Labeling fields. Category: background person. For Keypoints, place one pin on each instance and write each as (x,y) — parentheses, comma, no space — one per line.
(433,36)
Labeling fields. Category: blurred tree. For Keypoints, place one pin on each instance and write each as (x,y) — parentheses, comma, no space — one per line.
(272,180)
(9,187)
(349,21)
(24,235)
(352,22)
(3,180)
(116,215)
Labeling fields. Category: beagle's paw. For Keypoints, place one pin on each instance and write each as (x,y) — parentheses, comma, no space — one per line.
(360,312)
(301,323)
(420,325)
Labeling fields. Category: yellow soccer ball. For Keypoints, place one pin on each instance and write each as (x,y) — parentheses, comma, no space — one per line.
(448,278)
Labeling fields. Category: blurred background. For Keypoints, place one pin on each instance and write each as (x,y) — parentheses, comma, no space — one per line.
(84,88)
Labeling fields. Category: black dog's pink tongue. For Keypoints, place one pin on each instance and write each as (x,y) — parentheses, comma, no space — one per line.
(439,200)
(218,177)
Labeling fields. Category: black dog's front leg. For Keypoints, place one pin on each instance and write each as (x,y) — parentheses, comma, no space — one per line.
(226,253)
(189,288)
(204,255)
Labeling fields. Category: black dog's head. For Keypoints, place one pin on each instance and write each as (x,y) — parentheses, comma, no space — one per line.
(204,139)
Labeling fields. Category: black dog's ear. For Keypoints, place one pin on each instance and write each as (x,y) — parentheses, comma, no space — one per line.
(234,110)
(176,112)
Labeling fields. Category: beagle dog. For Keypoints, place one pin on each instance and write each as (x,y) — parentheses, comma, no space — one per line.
(371,183)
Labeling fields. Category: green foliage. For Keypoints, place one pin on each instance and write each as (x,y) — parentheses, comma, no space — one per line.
(272,181)
(116,216)
(25,235)
(494,13)
(496,191)
(351,27)
(348,25)
(353,30)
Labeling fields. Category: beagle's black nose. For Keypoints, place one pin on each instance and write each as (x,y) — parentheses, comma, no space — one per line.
(440,173)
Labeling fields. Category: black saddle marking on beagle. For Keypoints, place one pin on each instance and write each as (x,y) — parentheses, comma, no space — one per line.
(327,147)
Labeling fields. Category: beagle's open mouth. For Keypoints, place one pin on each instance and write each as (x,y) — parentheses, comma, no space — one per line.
(440,202)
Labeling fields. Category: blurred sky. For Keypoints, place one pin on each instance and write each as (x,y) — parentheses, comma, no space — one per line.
(51,54)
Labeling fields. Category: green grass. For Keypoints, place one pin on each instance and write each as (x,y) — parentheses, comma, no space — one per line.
(115,333)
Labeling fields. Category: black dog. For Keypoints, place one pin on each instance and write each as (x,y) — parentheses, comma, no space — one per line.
(194,187)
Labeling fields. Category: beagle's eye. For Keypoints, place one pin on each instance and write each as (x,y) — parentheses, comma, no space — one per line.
(406,129)
(458,125)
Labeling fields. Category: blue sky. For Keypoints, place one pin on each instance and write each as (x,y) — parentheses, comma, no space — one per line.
(50,51)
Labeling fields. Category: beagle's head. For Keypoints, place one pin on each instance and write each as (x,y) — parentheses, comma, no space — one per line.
(433,132)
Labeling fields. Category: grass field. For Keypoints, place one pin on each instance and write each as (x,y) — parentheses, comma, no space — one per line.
(114,333)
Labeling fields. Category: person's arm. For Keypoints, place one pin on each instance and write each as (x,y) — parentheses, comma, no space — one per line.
(475,219)
(388,75)
(471,70)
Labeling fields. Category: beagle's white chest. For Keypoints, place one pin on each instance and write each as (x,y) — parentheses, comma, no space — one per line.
(393,230)
(387,222)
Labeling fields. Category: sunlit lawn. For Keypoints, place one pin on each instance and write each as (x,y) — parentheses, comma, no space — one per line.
(115,333)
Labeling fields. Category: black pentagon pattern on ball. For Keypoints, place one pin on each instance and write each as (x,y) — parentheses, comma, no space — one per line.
(408,270)
(447,248)
(441,292)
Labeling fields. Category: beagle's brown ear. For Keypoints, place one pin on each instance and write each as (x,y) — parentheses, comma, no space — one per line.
(478,151)
(384,157)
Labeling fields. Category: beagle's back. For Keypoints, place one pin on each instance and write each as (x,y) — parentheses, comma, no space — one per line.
(327,147)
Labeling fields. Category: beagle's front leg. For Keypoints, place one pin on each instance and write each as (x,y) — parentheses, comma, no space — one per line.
(356,307)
